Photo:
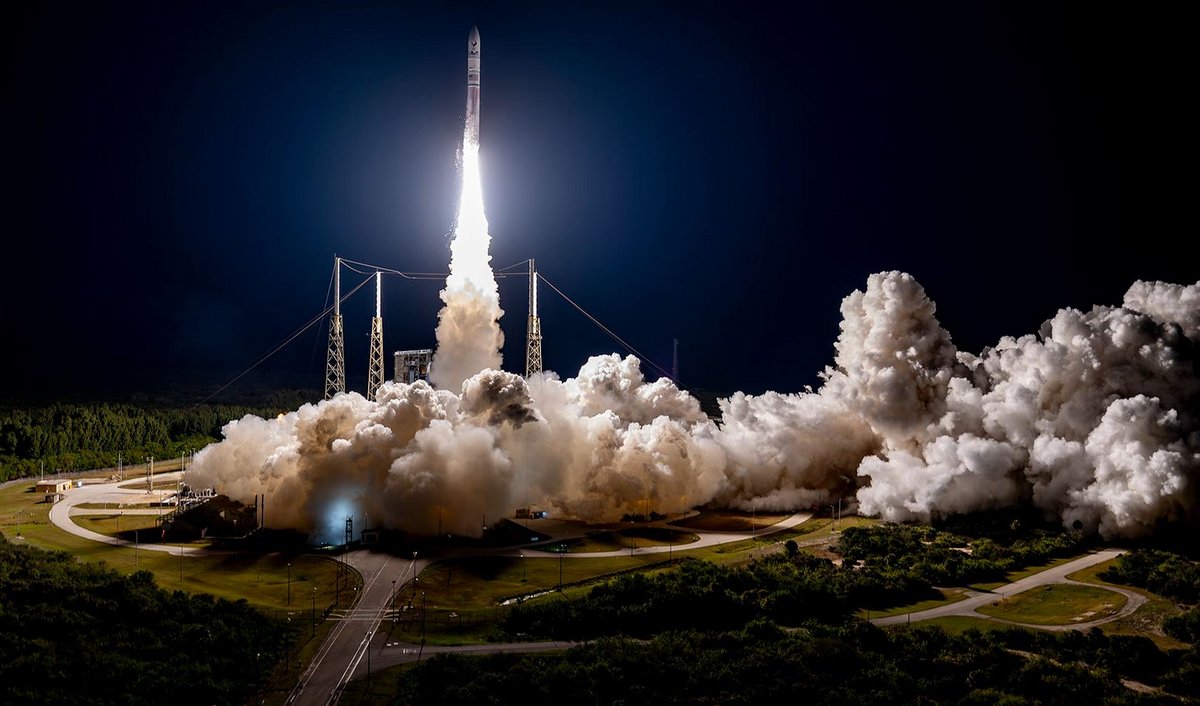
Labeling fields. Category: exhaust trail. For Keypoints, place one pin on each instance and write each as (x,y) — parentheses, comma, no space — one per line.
(1092,420)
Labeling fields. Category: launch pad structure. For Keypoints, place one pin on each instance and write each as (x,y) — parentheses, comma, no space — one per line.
(409,365)
(414,364)
(533,329)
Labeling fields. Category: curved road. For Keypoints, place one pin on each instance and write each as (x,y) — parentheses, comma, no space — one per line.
(1058,574)
(344,654)
(112,492)
(353,646)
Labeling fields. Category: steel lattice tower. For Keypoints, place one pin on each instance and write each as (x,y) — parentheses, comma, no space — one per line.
(375,370)
(533,334)
(335,357)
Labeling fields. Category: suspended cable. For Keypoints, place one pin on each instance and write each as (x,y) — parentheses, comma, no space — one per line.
(519,264)
(609,331)
(409,275)
(281,346)
(348,264)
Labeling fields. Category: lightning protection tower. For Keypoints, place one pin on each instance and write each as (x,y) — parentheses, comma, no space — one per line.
(375,370)
(533,334)
(335,357)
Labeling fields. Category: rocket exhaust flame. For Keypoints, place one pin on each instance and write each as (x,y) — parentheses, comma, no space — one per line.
(468,332)
(1092,420)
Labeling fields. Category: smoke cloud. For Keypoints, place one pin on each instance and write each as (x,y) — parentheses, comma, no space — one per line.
(468,331)
(1092,420)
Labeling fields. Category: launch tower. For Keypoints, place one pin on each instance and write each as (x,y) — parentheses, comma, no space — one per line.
(335,357)
(375,369)
(533,330)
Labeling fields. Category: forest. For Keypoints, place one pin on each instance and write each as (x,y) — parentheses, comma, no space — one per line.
(76,437)
(79,632)
(886,565)
(783,626)
(843,664)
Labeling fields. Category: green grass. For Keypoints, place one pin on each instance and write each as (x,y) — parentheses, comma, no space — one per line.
(1146,620)
(482,582)
(947,597)
(260,578)
(132,505)
(1057,604)
(117,524)
(821,528)
(1018,574)
(379,690)
(639,537)
(730,521)
(958,624)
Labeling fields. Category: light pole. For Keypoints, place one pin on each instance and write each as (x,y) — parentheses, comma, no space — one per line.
(524,575)
(313,614)
(289,583)
(561,549)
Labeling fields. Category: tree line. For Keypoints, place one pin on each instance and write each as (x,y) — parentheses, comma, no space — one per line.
(842,664)
(74,632)
(784,626)
(75,437)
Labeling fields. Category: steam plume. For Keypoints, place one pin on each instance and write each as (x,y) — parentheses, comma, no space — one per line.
(1092,420)
(468,331)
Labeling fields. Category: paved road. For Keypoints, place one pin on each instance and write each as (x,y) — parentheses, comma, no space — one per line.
(707,539)
(111,492)
(1058,574)
(344,652)
(343,655)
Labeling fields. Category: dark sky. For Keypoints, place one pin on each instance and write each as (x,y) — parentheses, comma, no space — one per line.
(180,175)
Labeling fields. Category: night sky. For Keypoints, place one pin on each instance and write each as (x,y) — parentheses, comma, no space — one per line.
(180,175)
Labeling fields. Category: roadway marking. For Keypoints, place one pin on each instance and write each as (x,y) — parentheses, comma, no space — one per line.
(365,645)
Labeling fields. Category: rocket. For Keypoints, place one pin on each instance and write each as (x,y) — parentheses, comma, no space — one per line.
(472,128)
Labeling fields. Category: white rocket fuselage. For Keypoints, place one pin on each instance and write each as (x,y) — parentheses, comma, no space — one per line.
(472,127)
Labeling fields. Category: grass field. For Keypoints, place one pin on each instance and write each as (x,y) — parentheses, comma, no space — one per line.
(379,690)
(117,506)
(116,524)
(1146,620)
(260,578)
(947,596)
(636,536)
(1057,604)
(730,521)
(1019,574)
(957,624)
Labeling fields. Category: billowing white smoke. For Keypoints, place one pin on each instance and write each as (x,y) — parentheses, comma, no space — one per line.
(1092,420)
(468,331)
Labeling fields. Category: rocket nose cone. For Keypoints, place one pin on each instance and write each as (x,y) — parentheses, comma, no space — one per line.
(473,41)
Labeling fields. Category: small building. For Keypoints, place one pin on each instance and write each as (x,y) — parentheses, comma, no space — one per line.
(53,486)
(413,365)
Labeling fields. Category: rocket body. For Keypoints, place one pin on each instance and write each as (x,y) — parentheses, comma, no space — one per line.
(472,127)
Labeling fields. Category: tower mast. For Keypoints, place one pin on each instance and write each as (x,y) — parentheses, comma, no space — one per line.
(533,331)
(335,356)
(375,370)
